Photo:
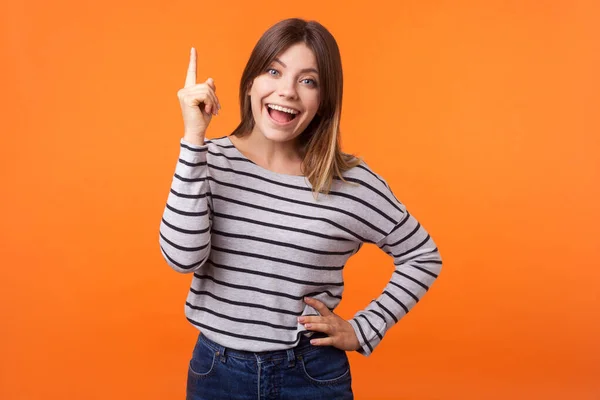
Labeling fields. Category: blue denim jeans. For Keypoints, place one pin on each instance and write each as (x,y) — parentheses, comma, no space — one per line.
(304,372)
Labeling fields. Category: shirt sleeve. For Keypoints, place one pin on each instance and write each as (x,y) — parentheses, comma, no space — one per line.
(417,265)
(185,228)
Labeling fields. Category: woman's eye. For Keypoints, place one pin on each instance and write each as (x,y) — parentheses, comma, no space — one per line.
(272,71)
(308,81)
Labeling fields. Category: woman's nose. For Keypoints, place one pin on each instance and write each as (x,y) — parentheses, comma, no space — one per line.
(287,88)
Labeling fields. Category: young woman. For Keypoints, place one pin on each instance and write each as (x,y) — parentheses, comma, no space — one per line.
(266,218)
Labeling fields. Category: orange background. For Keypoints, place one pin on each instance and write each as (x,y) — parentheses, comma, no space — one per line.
(482,116)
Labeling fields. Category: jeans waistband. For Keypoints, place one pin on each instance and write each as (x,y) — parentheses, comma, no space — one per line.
(302,347)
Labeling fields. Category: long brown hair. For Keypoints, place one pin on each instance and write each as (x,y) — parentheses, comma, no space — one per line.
(320,141)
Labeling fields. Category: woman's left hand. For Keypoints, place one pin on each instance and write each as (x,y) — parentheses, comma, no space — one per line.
(340,332)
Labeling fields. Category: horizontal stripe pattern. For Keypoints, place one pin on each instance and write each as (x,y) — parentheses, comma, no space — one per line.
(417,264)
(257,242)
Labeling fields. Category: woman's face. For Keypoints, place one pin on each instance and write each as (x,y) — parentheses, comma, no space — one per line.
(285,97)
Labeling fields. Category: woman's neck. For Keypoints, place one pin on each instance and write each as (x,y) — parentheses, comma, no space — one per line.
(281,157)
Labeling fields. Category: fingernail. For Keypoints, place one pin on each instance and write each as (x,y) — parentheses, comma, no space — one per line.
(300,319)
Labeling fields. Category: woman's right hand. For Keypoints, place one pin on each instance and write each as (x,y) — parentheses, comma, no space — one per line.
(198,104)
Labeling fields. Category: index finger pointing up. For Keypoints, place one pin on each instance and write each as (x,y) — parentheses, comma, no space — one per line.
(190,79)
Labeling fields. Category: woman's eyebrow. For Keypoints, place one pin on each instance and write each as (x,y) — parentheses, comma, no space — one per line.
(302,70)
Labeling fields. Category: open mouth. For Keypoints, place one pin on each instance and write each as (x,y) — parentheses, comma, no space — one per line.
(281,115)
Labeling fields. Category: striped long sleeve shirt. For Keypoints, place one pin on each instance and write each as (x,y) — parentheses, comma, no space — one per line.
(258,242)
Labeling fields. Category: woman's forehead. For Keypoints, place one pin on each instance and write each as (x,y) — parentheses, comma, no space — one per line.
(298,56)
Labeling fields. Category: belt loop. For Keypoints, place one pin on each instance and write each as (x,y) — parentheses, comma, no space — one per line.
(291,357)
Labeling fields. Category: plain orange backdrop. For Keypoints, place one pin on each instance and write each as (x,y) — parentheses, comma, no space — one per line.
(482,116)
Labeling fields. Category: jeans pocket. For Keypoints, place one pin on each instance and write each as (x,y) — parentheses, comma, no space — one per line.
(203,361)
(326,365)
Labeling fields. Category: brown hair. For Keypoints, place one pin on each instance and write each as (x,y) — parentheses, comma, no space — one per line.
(320,141)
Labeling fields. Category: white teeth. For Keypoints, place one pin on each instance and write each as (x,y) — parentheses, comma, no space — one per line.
(279,108)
